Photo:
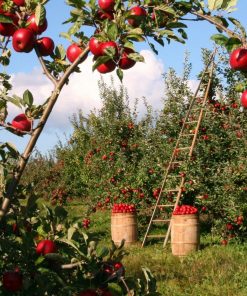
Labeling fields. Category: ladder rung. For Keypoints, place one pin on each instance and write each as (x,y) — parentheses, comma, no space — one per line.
(184,148)
(171,190)
(161,220)
(156,236)
(186,135)
(164,206)
(191,122)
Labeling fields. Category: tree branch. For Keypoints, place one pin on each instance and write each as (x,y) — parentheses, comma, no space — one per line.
(72,265)
(18,171)
(46,71)
(216,24)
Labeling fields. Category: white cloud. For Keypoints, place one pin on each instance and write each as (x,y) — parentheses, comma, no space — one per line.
(143,80)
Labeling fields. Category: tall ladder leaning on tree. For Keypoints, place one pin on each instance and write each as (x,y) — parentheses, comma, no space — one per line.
(182,155)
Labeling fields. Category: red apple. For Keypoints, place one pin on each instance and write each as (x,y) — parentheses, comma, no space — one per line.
(224,242)
(244,99)
(95,46)
(46,246)
(12,281)
(8,29)
(23,40)
(45,46)
(238,59)
(103,15)
(88,292)
(125,62)
(73,51)
(109,45)
(19,2)
(138,14)
(1,11)
(229,226)
(31,25)
(107,67)
(22,123)
(106,5)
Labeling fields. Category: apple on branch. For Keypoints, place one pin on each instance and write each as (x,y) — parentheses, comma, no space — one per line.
(106,5)
(8,29)
(46,246)
(125,62)
(22,123)
(12,281)
(19,2)
(73,52)
(244,99)
(23,40)
(95,46)
(36,29)
(45,46)
(238,59)
(137,16)
(106,67)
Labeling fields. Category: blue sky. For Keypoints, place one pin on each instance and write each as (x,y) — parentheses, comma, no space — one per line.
(25,66)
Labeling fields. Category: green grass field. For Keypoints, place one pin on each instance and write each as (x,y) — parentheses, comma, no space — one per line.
(213,270)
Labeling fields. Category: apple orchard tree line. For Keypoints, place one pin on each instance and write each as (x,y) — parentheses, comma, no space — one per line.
(116,27)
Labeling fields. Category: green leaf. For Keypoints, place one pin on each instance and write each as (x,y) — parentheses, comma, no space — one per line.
(39,260)
(60,52)
(28,98)
(66,36)
(136,31)
(40,14)
(136,57)
(135,37)
(71,231)
(71,244)
(12,149)
(120,74)
(41,231)
(214,4)
(54,256)
(112,31)
(166,9)
(220,39)
(17,101)
(103,252)
(159,40)
(60,213)
(175,25)
(229,5)
(153,48)
(183,33)
(101,60)
(232,44)
(238,25)
(5,19)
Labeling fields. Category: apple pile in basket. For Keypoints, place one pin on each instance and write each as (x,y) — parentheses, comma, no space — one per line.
(185,210)
(123,208)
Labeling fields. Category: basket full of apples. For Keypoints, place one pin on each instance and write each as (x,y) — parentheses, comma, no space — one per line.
(124,223)
(185,234)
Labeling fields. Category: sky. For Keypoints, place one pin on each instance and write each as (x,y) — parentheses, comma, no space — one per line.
(143,80)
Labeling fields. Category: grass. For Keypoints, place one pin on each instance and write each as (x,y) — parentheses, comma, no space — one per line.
(214,270)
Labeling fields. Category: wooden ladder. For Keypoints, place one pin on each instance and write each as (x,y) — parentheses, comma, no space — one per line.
(182,154)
